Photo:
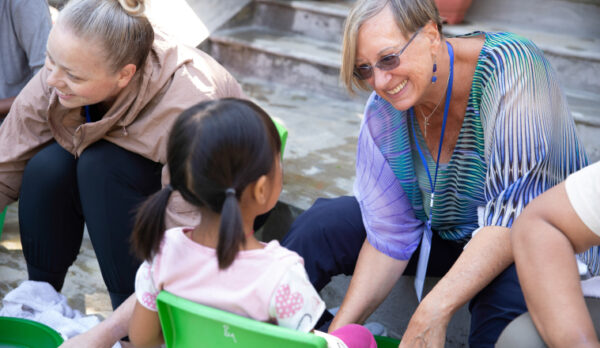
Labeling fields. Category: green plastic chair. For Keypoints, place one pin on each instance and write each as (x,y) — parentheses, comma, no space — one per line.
(189,324)
(2,216)
(283,134)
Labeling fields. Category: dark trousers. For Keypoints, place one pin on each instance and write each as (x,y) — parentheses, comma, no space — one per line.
(102,189)
(329,236)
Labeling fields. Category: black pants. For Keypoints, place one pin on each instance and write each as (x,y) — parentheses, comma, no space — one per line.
(329,236)
(102,189)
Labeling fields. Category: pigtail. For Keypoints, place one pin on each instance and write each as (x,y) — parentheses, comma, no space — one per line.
(231,231)
(149,227)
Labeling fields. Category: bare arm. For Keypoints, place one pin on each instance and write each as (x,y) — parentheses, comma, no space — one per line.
(545,237)
(108,332)
(144,328)
(485,257)
(374,276)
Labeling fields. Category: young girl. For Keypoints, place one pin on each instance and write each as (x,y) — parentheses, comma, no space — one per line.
(224,158)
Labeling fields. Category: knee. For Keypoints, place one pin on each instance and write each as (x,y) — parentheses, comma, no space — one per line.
(326,217)
(521,332)
(106,162)
(49,169)
(95,161)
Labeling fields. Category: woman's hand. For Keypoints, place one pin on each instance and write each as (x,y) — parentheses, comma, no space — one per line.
(427,327)
(374,276)
(484,258)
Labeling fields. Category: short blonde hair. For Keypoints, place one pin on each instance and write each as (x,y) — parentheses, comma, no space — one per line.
(410,15)
(122,28)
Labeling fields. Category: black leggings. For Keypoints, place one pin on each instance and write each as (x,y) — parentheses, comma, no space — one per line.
(102,189)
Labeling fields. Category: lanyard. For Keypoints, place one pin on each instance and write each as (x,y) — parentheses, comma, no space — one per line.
(88,117)
(433,182)
(427,234)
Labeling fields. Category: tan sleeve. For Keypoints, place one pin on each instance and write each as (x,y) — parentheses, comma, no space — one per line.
(22,134)
(234,89)
(179,212)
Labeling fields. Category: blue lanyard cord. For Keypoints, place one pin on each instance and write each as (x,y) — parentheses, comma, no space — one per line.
(433,182)
(88,117)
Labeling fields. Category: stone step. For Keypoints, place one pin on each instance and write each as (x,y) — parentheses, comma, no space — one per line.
(575,58)
(572,17)
(322,20)
(281,57)
(585,108)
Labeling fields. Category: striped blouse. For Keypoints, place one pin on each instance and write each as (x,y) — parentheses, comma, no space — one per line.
(517,140)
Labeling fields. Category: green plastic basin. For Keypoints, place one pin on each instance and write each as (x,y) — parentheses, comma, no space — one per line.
(23,333)
(386,342)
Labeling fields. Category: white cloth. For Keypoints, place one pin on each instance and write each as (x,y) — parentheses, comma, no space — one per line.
(38,301)
(591,287)
(583,190)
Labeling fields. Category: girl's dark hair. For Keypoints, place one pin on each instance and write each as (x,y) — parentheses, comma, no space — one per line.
(215,150)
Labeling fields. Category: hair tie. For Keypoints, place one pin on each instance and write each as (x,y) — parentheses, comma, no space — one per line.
(132,7)
(230,192)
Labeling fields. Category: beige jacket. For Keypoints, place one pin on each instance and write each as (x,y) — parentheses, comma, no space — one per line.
(174,78)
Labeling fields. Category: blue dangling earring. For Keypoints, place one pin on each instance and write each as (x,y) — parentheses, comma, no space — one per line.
(434,78)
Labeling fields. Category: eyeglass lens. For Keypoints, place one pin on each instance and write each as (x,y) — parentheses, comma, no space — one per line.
(386,63)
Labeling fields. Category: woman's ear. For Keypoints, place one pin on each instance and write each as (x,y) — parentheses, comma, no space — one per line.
(259,191)
(430,30)
(125,75)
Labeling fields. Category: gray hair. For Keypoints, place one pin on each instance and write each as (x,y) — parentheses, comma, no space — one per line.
(410,15)
(122,28)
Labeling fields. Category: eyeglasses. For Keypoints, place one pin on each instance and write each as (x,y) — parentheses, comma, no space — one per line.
(386,63)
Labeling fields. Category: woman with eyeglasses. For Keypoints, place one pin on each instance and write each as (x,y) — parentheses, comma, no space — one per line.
(85,140)
(458,136)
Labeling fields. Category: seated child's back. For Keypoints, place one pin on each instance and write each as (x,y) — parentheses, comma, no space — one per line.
(263,284)
(223,157)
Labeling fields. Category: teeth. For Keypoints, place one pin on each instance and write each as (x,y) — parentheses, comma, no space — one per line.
(399,88)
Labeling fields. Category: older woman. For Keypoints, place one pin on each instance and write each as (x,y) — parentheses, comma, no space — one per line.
(84,141)
(458,136)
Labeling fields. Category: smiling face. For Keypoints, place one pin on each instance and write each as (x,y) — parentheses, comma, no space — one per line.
(405,85)
(79,72)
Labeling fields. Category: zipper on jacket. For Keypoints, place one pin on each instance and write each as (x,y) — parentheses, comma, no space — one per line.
(77,139)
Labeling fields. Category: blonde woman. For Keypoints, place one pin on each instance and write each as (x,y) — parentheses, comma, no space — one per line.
(458,136)
(84,142)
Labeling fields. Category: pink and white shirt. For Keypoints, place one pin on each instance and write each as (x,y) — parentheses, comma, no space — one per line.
(269,284)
